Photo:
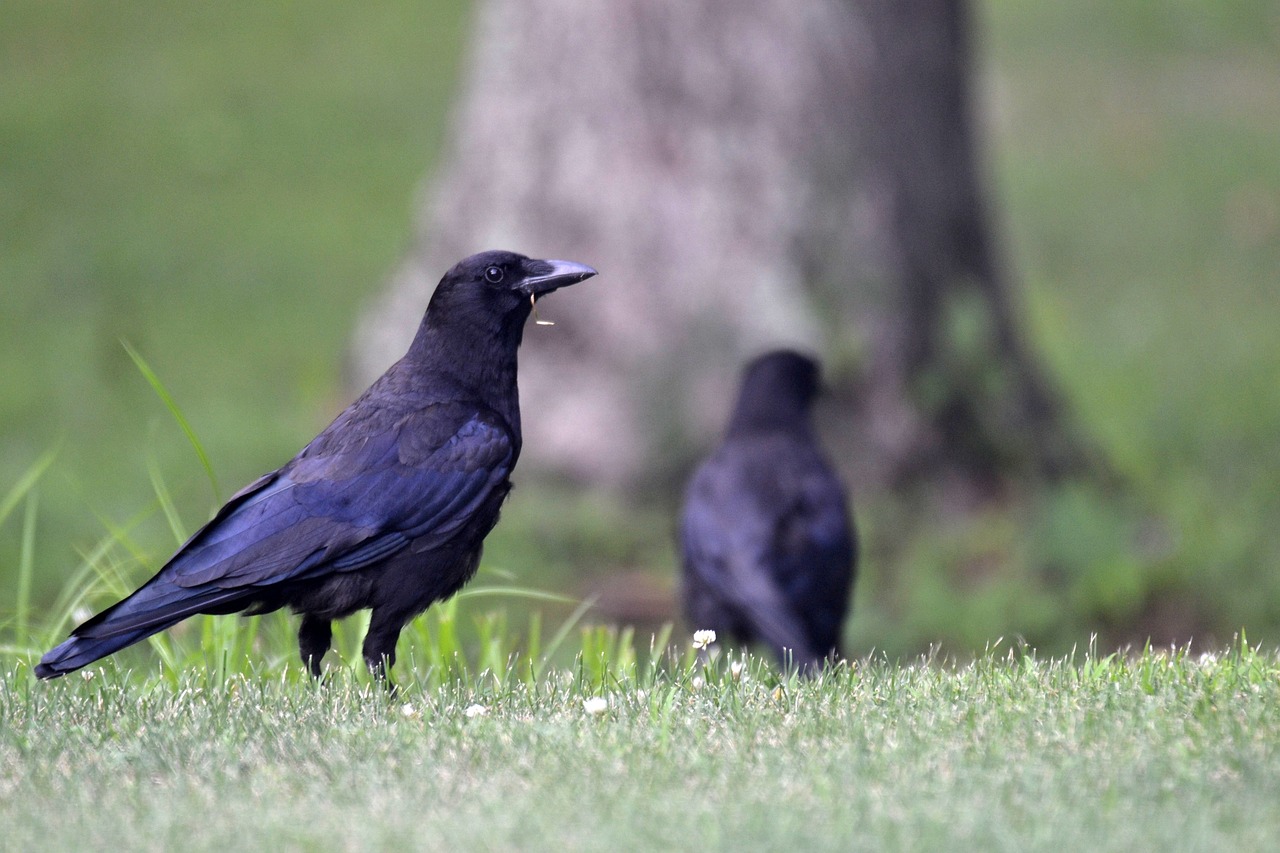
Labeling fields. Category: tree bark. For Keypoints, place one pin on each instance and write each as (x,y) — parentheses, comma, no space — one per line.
(743,174)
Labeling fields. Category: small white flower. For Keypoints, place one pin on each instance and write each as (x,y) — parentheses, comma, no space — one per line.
(86,674)
(697,682)
(406,710)
(474,711)
(595,705)
(735,669)
(703,638)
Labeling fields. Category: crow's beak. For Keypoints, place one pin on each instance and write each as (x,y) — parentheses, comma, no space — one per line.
(551,275)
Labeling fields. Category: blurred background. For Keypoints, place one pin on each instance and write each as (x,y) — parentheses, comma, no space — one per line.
(236,191)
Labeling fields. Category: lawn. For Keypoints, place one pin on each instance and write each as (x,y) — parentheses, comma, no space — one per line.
(1008,752)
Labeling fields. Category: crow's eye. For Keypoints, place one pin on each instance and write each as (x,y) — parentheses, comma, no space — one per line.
(493,275)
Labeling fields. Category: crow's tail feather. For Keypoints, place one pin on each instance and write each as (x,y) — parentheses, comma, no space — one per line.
(82,651)
(153,608)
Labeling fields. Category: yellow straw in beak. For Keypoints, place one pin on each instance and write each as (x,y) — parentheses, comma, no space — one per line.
(533,304)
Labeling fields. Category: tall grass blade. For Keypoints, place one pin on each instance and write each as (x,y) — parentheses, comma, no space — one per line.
(26,561)
(156,385)
(100,571)
(516,592)
(563,632)
(25,483)
(161,489)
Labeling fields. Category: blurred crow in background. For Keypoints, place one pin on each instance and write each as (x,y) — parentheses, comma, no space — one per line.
(387,508)
(766,539)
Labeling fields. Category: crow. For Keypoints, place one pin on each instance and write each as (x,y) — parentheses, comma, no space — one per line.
(767,543)
(386,509)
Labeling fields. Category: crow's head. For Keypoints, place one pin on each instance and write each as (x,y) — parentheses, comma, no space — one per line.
(778,389)
(785,371)
(506,282)
(479,308)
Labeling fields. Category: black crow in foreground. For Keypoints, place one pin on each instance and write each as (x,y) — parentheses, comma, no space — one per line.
(766,539)
(387,508)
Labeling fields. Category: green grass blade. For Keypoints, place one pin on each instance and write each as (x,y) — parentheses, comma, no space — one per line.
(517,592)
(156,385)
(161,489)
(26,560)
(563,632)
(25,483)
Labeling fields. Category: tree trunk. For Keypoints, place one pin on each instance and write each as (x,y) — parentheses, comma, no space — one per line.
(743,175)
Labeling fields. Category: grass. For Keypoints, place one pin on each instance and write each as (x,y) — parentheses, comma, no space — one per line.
(582,737)
(587,737)
(1007,752)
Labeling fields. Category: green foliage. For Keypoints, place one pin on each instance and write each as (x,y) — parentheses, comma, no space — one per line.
(1134,151)
(1133,148)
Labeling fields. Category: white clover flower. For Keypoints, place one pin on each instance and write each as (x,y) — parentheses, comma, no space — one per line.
(595,705)
(406,710)
(736,668)
(697,682)
(474,711)
(703,638)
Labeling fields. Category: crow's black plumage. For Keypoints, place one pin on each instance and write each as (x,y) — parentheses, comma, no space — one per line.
(386,509)
(767,543)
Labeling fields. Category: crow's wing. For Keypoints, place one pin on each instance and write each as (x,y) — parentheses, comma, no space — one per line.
(351,498)
(343,505)
(815,552)
(727,537)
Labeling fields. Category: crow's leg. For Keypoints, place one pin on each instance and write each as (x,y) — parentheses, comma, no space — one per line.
(314,637)
(380,643)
